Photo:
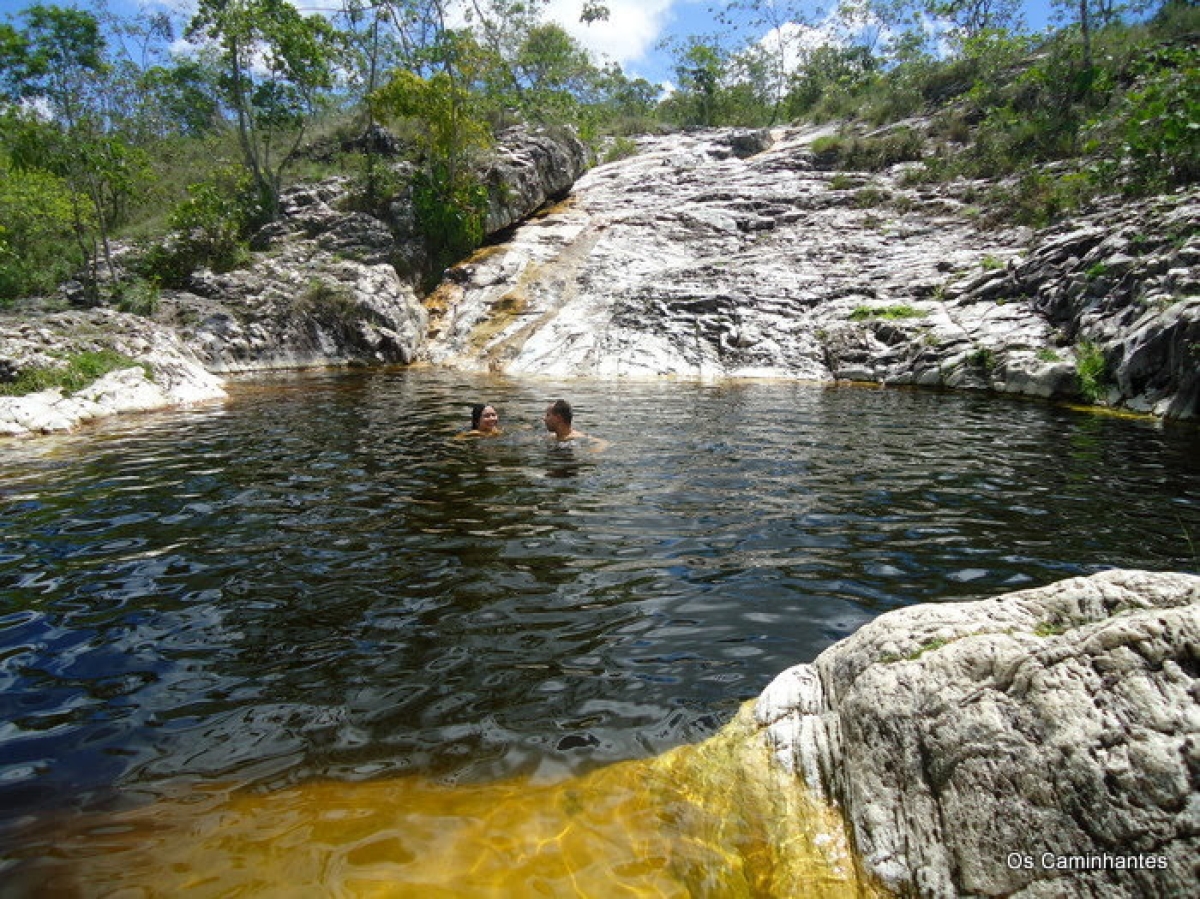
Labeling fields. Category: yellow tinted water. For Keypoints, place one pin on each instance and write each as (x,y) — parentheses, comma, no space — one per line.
(713,819)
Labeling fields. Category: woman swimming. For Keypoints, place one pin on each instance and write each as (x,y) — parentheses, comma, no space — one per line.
(485,421)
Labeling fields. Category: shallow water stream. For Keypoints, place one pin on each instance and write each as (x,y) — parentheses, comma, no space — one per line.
(314,591)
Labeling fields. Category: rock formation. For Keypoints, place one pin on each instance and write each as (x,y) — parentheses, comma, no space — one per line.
(169,374)
(716,254)
(1042,743)
(733,254)
(332,285)
(326,285)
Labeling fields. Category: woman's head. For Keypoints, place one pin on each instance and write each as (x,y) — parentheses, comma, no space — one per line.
(484,418)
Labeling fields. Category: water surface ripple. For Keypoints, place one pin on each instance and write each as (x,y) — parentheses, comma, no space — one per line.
(317,581)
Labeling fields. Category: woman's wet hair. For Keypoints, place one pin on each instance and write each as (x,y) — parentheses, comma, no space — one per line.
(477,414)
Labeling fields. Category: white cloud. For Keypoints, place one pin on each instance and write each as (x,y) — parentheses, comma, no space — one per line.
(630,33)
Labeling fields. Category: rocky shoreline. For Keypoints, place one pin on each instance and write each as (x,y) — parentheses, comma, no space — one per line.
(736,254)
(1040,743)
(719,254)
(167,373)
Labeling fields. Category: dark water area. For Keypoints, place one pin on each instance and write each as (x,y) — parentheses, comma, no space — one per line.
(316,580)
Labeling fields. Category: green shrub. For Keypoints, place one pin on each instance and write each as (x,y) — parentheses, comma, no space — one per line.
(1091,370)
(620,148)
(138,297)
(1039,198)
(38,249)
(450,213)
(207,230)
(984,359)
(870,197)
(869,153)
(1153,135)
(888,313)
(79,370)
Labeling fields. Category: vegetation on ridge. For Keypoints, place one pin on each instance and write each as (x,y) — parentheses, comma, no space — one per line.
(76,372)
(105,133)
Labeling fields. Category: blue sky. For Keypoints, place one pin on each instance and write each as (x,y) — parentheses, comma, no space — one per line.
(630,37)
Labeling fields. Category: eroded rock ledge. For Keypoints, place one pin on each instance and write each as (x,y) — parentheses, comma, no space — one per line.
(726,253)
(977,747)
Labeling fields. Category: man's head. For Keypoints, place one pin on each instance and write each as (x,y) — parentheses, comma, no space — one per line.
(558,416)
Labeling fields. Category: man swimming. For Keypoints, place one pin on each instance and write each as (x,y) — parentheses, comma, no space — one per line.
(559,416)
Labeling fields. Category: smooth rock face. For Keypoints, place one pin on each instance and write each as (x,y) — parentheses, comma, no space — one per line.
(729,254)
(976,747)
(527,170)
(177,377)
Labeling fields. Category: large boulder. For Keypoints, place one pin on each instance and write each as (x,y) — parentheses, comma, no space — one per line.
(528,169)
(1042,743)
(299,306)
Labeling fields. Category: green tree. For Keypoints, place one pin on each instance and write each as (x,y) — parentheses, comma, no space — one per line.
(276,63)
(185,96)
(533,66)
(971,18)
(450,203)
(37,227)
(623,104)
(700,68)
(776,40)
(56,70)
(829,73)
(383,35)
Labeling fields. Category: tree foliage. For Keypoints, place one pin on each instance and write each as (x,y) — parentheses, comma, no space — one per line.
(104,129)
(275,63)
(37,221)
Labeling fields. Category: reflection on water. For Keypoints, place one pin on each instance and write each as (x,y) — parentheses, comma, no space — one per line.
(317,583)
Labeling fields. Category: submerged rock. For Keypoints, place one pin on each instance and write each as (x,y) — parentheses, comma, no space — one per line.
(706,820)
(728,254)
(1042,743)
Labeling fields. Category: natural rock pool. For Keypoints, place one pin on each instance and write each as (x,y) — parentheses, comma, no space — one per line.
(314,600)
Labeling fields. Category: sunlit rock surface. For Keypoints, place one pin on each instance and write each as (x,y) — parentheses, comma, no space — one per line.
(732,254)
(526,170)
(168,374)
(976,748)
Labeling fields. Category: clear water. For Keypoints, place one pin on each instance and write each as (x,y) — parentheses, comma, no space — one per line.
(316,581)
